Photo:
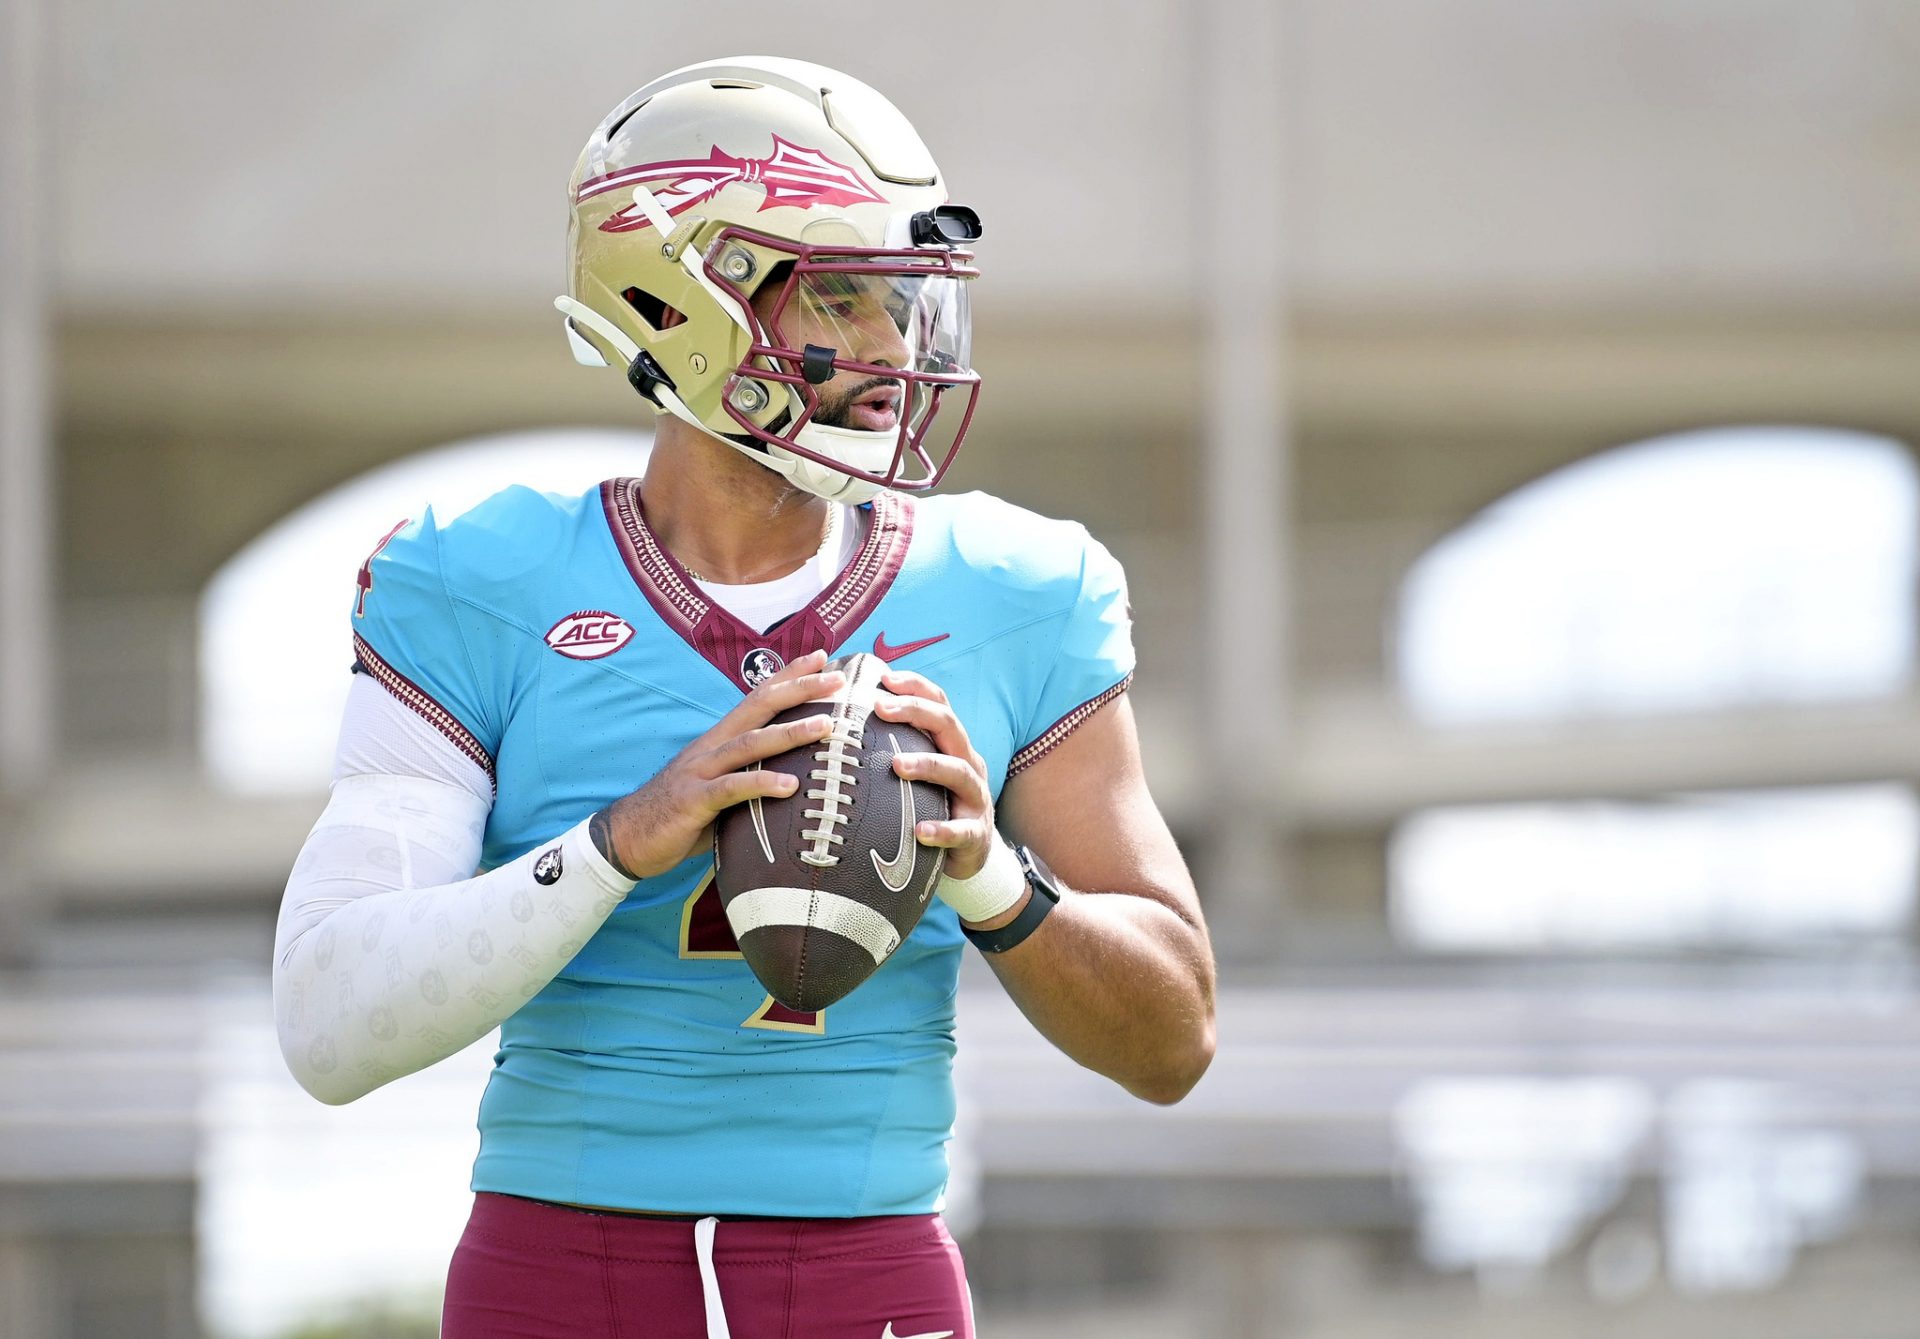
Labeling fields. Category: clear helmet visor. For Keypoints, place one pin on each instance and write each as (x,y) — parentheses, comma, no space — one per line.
(872,350)
(914,321)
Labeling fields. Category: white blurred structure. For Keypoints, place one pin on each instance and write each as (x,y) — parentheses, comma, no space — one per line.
(273,647)
(1593,535)
(382,1183)
(1786,870)
(1703,572)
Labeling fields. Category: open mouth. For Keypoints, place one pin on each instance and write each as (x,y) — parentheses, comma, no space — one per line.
(876,410)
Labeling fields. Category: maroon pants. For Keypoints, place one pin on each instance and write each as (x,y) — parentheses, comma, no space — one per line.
(529,1270)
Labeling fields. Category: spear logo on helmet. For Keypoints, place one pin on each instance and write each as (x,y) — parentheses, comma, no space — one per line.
(791,175)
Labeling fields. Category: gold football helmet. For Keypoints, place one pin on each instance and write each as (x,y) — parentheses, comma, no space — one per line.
(766,247)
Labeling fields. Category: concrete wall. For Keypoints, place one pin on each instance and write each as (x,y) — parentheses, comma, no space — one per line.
(1480,153)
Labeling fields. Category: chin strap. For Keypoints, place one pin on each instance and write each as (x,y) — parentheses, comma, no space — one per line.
(820,480)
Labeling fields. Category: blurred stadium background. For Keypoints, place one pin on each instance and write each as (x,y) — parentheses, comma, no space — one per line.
(1506,410)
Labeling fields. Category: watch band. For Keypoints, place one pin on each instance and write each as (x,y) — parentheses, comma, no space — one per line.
(1045,894)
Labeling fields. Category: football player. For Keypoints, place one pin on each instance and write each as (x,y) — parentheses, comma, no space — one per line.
(563,692)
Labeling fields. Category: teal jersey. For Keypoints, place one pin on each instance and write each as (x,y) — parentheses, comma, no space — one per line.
(556,643)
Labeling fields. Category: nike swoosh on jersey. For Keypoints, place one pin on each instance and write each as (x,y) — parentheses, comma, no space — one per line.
(930,1334)
(904,858)
(893,653)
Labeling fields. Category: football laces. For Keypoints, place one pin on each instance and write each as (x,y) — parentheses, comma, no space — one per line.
(838,773)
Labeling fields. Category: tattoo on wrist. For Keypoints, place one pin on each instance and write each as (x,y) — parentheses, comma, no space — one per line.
(600,829)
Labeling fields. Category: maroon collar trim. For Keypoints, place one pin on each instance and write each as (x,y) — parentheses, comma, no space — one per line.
(741,653)
(662,580)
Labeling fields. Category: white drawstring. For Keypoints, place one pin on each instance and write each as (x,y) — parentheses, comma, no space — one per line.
(709,1281)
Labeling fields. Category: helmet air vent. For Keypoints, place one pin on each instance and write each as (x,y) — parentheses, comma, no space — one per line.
(625,117)
(872,125)
(650,308)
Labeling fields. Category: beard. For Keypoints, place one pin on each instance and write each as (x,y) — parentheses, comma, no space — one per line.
(836,410)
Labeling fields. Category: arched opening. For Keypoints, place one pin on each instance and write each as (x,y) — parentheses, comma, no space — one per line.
(1705,572)
(1699,571)
(273,637)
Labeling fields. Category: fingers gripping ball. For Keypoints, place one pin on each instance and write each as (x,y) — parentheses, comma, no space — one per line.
(820,887)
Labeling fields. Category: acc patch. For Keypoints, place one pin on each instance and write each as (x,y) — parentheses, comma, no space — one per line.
(589,634)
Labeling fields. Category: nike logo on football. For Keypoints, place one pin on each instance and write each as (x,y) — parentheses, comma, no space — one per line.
(891,654)
(897,873)
(930,1334)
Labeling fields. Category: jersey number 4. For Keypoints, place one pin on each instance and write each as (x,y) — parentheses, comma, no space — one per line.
(704,933)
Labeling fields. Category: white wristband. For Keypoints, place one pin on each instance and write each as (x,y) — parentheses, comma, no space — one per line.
(999,884)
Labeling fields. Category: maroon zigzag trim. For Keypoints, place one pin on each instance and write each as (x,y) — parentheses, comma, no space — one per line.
(412,695)
(874,566)
(654,572)
(1063,727)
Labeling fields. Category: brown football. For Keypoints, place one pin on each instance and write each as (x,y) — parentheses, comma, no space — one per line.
(820,887)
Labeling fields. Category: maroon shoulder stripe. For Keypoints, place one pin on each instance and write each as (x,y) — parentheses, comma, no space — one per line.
(422,703)
(1060,729)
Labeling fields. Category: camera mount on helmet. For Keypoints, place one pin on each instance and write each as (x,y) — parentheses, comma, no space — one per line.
(944,225)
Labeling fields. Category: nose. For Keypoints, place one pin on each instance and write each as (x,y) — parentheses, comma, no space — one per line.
(881,342)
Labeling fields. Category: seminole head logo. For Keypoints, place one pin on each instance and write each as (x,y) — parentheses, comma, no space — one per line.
(792,176)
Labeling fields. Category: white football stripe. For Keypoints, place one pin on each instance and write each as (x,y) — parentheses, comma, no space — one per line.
(758,908)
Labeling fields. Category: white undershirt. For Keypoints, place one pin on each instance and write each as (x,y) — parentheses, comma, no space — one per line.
(765,603)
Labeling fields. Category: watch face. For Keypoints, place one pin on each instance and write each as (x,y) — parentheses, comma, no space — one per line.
(1046,895)
(1039,877)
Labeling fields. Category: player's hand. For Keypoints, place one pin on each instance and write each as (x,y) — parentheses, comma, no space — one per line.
(670,817)
(967,833)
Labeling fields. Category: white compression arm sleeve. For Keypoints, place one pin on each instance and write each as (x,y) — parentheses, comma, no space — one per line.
(389,957)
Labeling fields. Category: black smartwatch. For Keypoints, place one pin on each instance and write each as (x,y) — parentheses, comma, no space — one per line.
(1046,892)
